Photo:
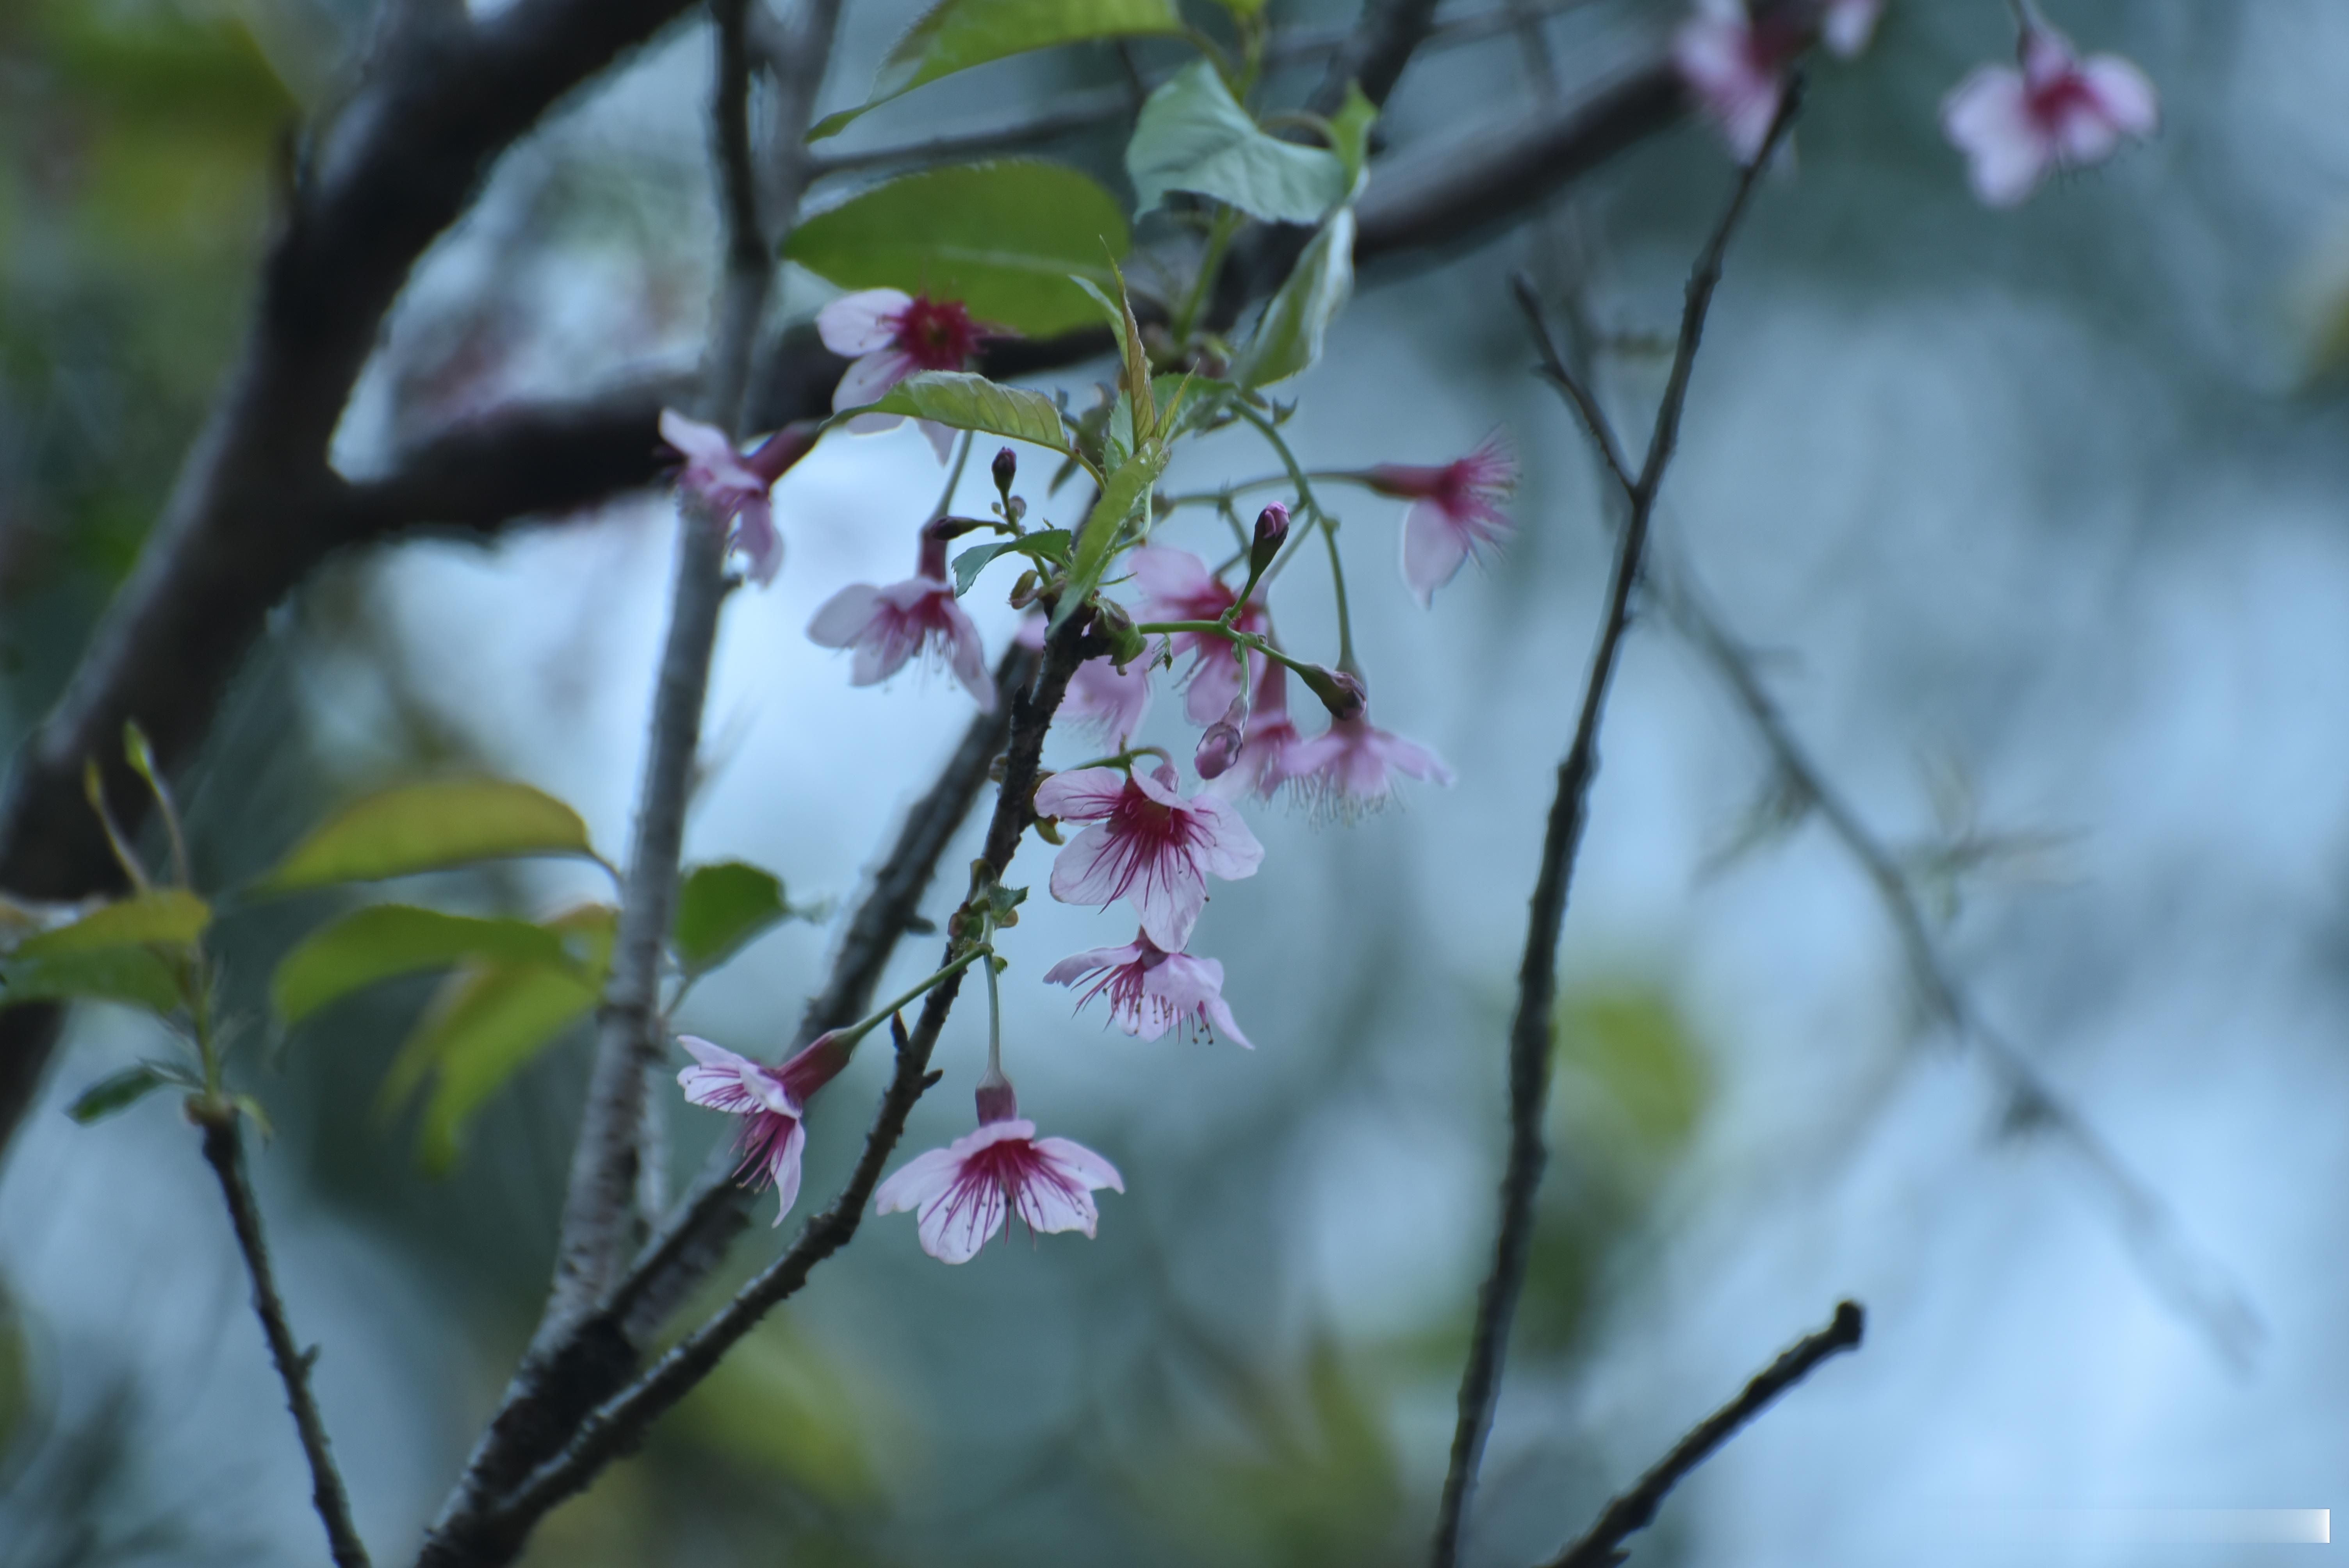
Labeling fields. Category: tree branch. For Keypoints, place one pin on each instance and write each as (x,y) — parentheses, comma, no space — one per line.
(1529,1032)
(224,1152)
(1602,1547)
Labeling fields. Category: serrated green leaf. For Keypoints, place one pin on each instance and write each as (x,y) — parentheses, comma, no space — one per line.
(135,976)
(387,940)
(171,917)
(974,560)
(965,401)
(720,907)
(430,827)
(1193,135)
(955,35)
(1003,238)
(1048,547)
(1288,336)
(1127,489)
(118,1091)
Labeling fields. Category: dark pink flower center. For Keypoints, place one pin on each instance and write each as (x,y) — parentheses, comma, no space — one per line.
(1150,839)
(1010,1166)
(937,333)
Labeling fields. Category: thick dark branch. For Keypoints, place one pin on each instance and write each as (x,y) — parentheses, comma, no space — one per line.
(224,1152)
(1529,1031)
(492,1534)
(1633,1511)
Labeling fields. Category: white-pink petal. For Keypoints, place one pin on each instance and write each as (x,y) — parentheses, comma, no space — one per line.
(863,322)
(1080,794)
(1434,550)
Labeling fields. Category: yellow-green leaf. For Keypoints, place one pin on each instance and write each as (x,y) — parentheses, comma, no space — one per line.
(963,401)
(171,917)
(135,976)
(391,939)
(430,827)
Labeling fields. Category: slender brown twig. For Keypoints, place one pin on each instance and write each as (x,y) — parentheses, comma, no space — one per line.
(1529,1031)
(224,1152)
(1634,1511)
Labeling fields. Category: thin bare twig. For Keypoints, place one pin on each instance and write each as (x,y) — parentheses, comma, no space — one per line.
(1634,1511)
(1529,1032)
(224,1152)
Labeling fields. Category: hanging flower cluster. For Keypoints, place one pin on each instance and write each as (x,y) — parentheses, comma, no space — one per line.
(2015,125)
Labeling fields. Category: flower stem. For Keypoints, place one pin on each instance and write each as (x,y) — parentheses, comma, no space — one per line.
(1247,640)
(1211,262)
(994,1022)
(857,1031)
(953,479)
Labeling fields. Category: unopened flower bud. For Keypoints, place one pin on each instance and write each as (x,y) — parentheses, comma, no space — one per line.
(997,1099)
(1341,692)
(1271,533)
(1006,468)
(1219,747)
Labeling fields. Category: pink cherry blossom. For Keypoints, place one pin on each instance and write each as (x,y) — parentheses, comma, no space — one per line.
(1457,511)
(961,1195)
(1100,698)
(889,335)
(1350,767)
(887,626)
(1147,844)
(1152,991)
(1271,736)
(1735,68)
(2057,111)
(733,488)
(1177,586)
(772,1101)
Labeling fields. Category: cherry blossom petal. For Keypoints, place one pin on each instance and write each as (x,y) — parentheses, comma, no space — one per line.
(1081,1163)
(1432,551)
(755,537)
(2123,93)
(1080,794)
(1848,25)
(1234,851)
(724,1081)
(784,1169)
(864,381)
(1988,118)
(861,322)
(941,437)
(703,445)
(843,617)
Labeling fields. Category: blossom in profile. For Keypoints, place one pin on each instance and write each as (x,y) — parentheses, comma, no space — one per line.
(1146,844)
(1151,991)
(2054,112)
(887,626)
(733,487)
(771,1100)
(1456,511)
(1735,68)
(962,1195)
(1177,586)
(889,335)
(1349,768)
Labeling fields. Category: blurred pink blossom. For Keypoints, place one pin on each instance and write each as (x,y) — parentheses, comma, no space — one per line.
(1177,586)
(2057,111)
(733,488)
(1147,844)
(1457,511)
(887,626)
(771,1100)
(889,335)
(1735,68)
(1350,767)
(1152,991)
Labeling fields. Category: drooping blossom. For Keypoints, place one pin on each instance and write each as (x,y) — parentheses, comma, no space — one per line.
(887,626)
(1177,586)
(1736,67)
(889,335)
(2057,111)
(1147,844)
(734,486)
(1101,696)
(771,1100)
(1151,991)
(1456,511)
(1350,767)
(961,1195)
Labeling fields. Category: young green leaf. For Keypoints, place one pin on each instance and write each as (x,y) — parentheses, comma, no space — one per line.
(1127,489)
(720,907)
(171,917)
(1002,238)
(430,827)
(1288,336)
(119,1091)
(967,402)
(955,35)
(387,940)
(135,976)
(1350,135)
(1193,135)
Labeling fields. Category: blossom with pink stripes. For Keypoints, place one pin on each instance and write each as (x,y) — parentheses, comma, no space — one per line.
(1735,67)
(890,334)
(2056,111)
(1349,768)
(888,626)
(733,487)
(1147,844)
(771,1101)
(1455,512)
(1177,586)
(1151,991)
(962,1195)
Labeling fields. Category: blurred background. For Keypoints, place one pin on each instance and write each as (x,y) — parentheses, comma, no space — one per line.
(2032,522)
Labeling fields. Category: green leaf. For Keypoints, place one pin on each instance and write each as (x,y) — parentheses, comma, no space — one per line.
(955,35)
(135,976)
(1193,135)
(168,916)
(1287,337)
(391,939)
(974,560)
(487,1024)
(722,906)
(1128,488)
(430,827)
(1350,135)
(968,402)
(119,1091)
(1003,238)
(1046,547)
